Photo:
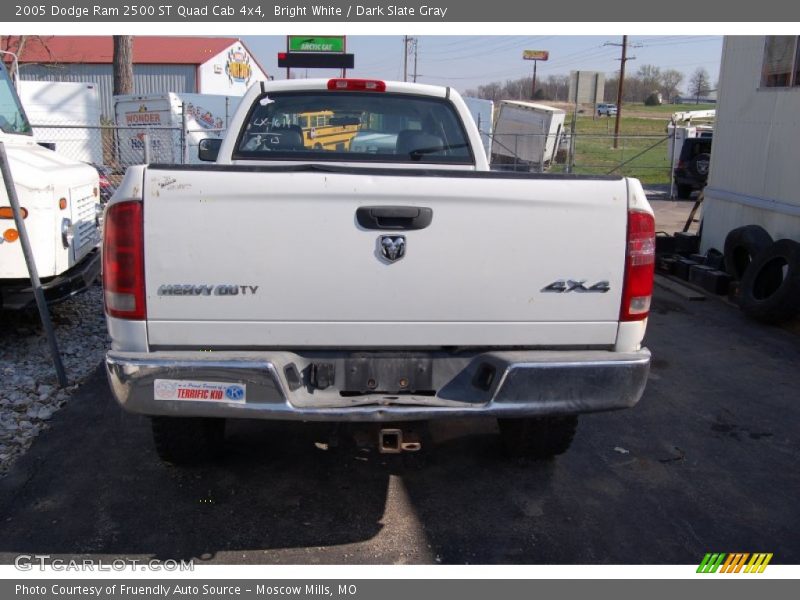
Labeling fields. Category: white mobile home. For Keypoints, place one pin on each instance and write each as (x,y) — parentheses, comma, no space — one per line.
(754,176)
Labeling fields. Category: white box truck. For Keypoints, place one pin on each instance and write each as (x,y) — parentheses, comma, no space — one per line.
(60,204)
(167,120)
(526,135)
(65,117)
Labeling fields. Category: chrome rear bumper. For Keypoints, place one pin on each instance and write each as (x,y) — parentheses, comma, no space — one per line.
(498,383)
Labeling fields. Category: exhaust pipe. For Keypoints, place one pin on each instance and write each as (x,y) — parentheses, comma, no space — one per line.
(392,441)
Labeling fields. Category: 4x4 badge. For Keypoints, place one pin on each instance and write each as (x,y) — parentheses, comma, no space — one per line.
(562,287)
(392,247)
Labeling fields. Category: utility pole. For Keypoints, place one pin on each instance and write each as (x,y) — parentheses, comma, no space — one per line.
(416,42)
(620,89)
(406,51)
(405,58)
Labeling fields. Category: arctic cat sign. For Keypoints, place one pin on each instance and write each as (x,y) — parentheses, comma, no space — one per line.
(304,43)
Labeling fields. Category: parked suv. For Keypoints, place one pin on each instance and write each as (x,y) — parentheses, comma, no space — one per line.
(607,109)
(691,172)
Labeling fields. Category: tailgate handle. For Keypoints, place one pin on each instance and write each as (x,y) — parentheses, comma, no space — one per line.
(394,217)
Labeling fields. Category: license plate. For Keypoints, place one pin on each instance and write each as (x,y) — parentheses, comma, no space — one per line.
(394,375)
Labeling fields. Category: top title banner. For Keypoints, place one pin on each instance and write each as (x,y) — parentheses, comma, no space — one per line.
(120,11)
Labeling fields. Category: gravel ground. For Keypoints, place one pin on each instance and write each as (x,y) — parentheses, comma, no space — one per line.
(29,394)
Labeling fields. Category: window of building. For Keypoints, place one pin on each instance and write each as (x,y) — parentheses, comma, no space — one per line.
(797,63)
(781,66)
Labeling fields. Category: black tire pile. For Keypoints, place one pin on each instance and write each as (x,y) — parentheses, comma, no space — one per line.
(768,273)
(761,275)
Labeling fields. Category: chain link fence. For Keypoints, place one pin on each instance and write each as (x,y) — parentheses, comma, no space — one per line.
(647,157)
(114,147)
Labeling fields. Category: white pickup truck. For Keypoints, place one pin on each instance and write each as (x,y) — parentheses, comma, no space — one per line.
(392,284)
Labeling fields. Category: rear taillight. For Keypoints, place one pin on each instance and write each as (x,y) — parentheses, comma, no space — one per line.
(640,260)
(358,85)
(123,261)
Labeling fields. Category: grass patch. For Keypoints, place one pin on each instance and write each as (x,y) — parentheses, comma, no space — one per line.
(641,148)
(664,109)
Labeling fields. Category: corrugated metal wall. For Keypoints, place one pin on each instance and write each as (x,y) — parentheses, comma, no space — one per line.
(147,79)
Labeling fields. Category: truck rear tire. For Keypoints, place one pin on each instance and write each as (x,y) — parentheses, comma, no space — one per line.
(187,441)
(539,437)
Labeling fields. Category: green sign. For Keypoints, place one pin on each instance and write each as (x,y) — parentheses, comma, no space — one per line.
(305,43)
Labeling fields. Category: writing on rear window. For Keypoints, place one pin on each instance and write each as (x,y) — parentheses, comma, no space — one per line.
(358,126)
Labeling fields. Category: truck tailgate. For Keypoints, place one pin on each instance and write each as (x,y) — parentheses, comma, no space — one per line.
(268,257)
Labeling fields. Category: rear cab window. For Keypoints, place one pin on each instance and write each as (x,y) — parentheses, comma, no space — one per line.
(353,127)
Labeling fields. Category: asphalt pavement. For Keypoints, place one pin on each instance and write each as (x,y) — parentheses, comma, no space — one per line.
(707,461)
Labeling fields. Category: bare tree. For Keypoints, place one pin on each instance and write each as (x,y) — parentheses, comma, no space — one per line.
(671,79)
(491,91)
(18,43)
(650,77)
(611,87)
(557,87)
(123,64)
(15,44)
(699,84)
(516,89)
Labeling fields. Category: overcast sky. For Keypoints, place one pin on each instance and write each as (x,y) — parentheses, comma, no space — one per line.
(465,62)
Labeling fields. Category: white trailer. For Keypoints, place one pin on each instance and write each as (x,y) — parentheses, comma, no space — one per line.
(173,124)
(65,117)
(482,112)
(526,135)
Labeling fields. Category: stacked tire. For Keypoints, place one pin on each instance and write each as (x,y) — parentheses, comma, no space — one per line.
(768,272)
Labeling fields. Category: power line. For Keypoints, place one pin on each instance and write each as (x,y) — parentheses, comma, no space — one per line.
(484,53)
(490,47)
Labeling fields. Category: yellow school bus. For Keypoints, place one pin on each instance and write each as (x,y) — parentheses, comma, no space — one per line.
(324,131)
